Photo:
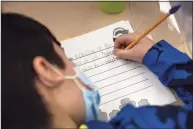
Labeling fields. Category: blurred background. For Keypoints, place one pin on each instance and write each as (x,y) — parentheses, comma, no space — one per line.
(69,19)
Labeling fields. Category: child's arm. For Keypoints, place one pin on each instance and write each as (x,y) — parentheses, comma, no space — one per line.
(173,68)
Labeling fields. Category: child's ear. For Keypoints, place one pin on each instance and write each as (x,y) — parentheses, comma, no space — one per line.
(45,72)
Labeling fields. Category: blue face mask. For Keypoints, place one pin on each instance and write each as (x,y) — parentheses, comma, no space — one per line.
(90,94)
(91,97)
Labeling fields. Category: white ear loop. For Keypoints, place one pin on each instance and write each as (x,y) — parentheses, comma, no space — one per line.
(65,77)
(68,77)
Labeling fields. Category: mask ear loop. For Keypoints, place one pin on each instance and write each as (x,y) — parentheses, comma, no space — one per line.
(77,70)
(69,77)
(59,73)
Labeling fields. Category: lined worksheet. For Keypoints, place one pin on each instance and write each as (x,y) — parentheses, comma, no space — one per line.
(119,81)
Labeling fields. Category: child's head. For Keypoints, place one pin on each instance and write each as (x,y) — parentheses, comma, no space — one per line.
(33,94)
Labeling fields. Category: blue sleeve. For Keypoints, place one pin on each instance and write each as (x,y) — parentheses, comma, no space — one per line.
(173,68)
(153,117)
(147,117)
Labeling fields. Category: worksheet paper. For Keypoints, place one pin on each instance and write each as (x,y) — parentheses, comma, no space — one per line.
(119,81)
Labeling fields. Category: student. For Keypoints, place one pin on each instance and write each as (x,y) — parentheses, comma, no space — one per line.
(40,89)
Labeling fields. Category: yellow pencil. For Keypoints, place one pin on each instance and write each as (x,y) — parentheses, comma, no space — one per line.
(165,16)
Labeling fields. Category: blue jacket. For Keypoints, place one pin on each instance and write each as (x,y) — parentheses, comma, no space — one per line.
(175,70)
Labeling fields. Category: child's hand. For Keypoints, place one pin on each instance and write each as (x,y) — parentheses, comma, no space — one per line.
(137,52)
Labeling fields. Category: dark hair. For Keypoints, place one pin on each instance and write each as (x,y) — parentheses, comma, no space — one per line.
(23,39)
